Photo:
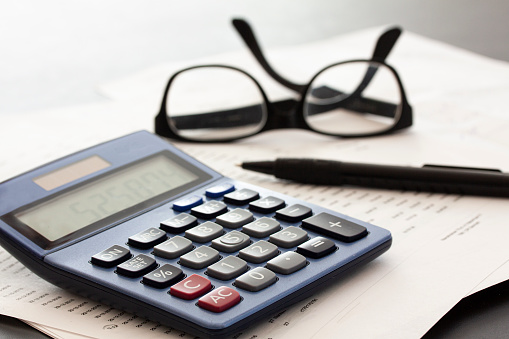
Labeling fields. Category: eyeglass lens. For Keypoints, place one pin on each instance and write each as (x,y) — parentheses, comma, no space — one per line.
(353,98)
(214,103)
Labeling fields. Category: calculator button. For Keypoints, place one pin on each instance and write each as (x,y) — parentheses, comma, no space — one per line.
(179,223)
(317,247)
(256,279)
(231,242)
(235,219)
(294,213)
(148,238)
(191,287)
(209,210)
(173,247)
(200,257)
(267,205)
(204,232)
(227,268)
(259,252)
(241,197)
(163,276)
(287,263)
(289,237)
(137,266)
(187,203)
(335,227)
(111,256)
(219,190)
(262,227)
(220,299)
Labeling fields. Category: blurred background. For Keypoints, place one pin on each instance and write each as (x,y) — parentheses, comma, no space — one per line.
(54,53)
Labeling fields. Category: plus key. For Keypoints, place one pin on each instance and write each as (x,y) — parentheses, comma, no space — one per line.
(335,227)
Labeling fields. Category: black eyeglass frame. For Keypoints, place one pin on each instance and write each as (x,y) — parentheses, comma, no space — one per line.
(289,113)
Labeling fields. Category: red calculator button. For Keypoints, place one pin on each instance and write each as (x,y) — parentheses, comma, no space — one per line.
(220,299)
(191,287)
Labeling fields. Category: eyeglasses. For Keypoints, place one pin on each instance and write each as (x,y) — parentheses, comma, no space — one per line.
(218,103)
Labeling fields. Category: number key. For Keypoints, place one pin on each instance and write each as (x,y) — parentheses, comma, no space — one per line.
(289,237)
(173,247)
(200,257)
(227,268)
(261,227)
(204,232)
(259,252)
(256,279)
(231,242)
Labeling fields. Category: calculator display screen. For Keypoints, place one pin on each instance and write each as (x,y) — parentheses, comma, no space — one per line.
(105,196)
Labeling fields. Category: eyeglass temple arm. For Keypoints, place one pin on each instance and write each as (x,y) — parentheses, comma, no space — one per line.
(249,38)
(383,47)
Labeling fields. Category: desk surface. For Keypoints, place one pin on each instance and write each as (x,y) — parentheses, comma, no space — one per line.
(56,53)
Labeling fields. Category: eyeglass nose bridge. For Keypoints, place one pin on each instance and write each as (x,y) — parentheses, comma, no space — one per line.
(285,114)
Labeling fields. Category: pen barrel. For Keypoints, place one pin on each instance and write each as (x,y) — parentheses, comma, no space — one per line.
(428,179)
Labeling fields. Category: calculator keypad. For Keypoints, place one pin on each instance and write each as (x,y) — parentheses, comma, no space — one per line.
(244,247)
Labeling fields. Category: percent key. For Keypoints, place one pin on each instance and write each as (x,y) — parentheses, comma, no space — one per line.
(163,277)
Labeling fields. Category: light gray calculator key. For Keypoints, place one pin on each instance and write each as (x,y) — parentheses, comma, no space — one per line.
(256,279)
(227,268)
(235,218)
(287,263)
(289,237)
(262,227)
(204,232)
(200,257)
(173,247)
(259,252)
(231,242)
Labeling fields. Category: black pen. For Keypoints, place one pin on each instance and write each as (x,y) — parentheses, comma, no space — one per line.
(429,178)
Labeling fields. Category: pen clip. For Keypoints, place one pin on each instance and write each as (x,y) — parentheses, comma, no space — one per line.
(464,168)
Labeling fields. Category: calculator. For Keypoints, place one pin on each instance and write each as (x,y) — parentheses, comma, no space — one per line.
(139,225)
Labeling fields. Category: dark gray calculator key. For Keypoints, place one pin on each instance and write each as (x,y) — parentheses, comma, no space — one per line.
(204,232)
(148,238)
(256,279)
(231,242)
(259,252)
(200,257)
(227,268)
(289,237)
(209,210)
(163,276)
(294,213)
(262,227)
(287,263)
(335,227)
(235,218)
(137,266)
(173,247)
(179,223)
(111,257)
(317,247)
(241,197)
(267,205)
